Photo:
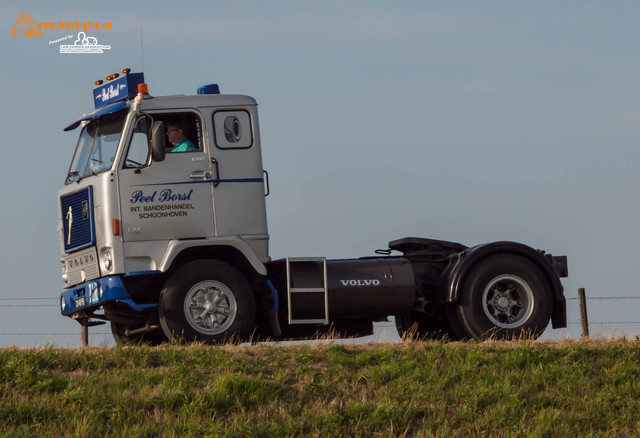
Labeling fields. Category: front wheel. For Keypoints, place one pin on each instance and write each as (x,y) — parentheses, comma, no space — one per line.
(505,297)
(207,301)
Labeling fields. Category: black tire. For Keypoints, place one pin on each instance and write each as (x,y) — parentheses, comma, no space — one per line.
(207,301)
(153,337)
(505,297)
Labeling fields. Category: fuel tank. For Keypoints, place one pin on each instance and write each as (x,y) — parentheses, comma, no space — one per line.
(318,289)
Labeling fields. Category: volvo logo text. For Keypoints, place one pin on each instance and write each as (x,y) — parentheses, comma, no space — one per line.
(374,282)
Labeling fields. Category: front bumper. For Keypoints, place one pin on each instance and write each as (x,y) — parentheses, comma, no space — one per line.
(92,295)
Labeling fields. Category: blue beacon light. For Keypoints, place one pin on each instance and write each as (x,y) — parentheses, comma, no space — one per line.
(209,89)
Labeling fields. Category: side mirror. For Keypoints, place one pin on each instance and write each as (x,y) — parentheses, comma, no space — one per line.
(157,142)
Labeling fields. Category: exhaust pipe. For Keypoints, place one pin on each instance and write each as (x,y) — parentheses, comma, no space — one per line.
(147,328)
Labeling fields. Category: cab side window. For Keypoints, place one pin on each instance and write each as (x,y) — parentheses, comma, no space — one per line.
(183,132)
(233,129)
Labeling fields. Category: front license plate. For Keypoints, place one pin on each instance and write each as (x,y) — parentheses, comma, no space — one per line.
(79,302)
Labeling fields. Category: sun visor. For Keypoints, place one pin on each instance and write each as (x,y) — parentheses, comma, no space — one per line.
(108,109)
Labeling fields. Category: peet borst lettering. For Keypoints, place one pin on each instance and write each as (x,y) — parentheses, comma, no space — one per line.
(139,197)
(167,195)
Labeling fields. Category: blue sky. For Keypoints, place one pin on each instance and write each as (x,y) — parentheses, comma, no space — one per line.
(465,121)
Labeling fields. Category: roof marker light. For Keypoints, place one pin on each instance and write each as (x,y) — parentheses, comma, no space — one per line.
(113,76)
(126,71)
(98,82)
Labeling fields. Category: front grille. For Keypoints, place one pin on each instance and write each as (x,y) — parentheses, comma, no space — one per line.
(77,220)
(82,266)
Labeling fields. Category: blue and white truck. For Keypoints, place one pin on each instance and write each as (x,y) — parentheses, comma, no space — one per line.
(169,245)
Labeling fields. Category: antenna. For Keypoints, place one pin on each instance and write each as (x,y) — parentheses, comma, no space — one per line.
(142,45)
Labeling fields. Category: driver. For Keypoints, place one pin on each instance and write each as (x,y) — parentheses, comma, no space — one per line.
(175,134)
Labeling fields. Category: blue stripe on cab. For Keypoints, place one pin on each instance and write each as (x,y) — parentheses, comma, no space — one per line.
(208,181)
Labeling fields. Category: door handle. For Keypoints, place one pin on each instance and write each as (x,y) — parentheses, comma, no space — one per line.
(200,174)
(266,180)
(217,180)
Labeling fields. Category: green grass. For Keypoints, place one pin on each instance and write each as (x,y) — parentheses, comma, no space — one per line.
(517,388)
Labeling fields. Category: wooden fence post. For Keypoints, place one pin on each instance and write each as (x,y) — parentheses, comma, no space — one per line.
(584,321)
(84,334)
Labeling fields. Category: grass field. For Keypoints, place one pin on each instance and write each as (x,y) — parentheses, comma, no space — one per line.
(518,388)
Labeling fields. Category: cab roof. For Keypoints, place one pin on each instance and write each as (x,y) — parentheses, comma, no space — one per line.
(196,101)
(171,102)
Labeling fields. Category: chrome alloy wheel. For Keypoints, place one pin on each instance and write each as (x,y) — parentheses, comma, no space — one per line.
(508,301)
(210,307)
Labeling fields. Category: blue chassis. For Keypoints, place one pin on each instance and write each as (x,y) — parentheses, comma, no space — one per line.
(112,290)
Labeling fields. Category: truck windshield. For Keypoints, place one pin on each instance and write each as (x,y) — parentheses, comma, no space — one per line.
(96,147)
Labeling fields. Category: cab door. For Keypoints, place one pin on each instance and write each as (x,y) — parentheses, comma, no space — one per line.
(239,188)
(171,199)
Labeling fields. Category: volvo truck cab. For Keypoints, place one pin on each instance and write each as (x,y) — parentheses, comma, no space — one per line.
(166,242)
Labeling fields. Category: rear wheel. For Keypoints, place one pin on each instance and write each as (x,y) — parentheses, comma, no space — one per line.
(505,296)
(207,301)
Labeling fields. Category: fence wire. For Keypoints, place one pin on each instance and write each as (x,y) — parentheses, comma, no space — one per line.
(48,334)
(606,298)
(383,325)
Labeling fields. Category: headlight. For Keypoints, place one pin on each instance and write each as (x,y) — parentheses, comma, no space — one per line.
(65,277)
(108,261)
(62,304)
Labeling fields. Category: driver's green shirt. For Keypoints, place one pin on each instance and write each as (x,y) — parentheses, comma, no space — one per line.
(184,146)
